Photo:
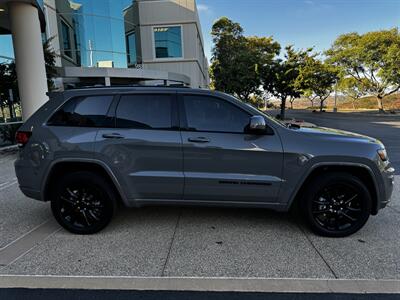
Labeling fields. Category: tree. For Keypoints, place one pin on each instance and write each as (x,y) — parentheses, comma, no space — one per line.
(291,100)
(374,56)
(8,80)
(309,94)
(280,77)
(257,101)
(318,78)
(352,88)
(236,60)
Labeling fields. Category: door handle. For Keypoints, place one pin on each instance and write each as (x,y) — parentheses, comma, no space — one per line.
(113,135)
(200,139)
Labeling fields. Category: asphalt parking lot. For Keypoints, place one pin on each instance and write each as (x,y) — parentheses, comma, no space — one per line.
(191,242)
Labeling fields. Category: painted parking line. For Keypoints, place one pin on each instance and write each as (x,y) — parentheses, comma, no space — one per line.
(209,284)
(7,184)
(4,183)
(26,242)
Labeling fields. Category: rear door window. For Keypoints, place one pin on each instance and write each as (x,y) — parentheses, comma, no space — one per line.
(88,111)
(144,111)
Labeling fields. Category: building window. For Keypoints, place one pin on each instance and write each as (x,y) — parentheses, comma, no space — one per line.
(131,48)
(77,42)
(168,42)
(66,41)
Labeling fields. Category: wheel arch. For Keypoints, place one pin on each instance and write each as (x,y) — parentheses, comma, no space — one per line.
(70,165)
(361,171)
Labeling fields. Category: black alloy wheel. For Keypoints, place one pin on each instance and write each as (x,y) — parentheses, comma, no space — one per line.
(83,202)
(337,204)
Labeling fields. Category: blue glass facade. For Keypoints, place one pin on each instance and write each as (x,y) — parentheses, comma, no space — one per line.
(6,49)
(88,31)
(98,28)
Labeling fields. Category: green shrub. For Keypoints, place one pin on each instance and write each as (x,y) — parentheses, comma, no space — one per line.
(7,132)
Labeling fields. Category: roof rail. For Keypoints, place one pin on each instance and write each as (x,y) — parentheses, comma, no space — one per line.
(128,85)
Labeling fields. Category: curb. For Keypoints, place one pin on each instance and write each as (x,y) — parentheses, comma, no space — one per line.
(265,285)
(9,149)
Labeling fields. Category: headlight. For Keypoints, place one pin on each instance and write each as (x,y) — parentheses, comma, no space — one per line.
(383,154)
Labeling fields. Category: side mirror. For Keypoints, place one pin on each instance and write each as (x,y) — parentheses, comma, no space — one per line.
(257,125)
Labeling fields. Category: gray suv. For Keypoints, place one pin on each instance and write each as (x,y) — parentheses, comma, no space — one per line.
(86,150)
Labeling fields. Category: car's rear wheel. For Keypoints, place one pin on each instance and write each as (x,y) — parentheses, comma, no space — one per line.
(83,202)
(337,204)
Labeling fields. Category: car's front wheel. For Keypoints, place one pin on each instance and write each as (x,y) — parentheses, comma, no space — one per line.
(337,204)
(83,202)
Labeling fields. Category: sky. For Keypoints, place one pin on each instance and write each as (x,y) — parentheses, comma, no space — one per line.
(303,23)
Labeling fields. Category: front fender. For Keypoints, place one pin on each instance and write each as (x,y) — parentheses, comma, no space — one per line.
(294,181)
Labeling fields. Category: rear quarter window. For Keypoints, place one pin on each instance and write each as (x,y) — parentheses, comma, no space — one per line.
(87,111)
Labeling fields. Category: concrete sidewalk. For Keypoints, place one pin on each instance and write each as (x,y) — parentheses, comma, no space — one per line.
(191,242)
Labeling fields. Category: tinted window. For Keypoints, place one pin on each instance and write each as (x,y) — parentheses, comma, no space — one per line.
(131,47)
(144,112)
(84,111)
(66,39)
(205,113)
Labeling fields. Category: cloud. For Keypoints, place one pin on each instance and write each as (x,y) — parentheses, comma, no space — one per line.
(202,8)
(309,2)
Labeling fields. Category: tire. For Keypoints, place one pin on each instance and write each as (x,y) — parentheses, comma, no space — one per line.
(336,204)
(83,202)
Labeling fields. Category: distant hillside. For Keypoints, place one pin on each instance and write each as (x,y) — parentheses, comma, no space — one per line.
(369,102)
(389,102)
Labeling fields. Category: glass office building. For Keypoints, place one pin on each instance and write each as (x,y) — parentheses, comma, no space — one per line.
(163,36)
(91,33)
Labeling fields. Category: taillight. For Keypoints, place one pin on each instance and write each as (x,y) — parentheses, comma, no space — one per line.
(22,137)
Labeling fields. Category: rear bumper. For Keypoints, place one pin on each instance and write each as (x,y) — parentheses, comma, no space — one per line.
(27,179)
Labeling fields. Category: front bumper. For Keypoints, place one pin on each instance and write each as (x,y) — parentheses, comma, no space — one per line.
(388,183)
(31,193)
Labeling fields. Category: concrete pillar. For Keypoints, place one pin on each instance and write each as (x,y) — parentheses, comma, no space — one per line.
(29,59)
